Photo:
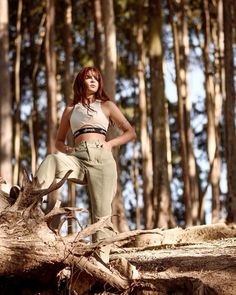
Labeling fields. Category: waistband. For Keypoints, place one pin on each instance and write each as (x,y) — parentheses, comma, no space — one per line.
(89,130)
(89,143)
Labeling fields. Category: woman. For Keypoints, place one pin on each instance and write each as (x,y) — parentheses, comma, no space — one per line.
(91,157)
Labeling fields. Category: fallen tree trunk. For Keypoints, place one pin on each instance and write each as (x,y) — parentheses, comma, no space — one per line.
(34,257)
(31,250)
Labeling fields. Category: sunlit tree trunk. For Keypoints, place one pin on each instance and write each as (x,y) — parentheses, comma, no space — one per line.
(110,47)
(98,33)
(5,99)
(161,186)
(168,144)
(67,42)
(135,179)
(144,136)
(51,89)
(229,111)
(188,161)
(17,94)
(120,220)
(212,126)
(67,94)
(218,108)
(51,76)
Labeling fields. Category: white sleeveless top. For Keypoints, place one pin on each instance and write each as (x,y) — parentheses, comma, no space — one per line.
(82,117)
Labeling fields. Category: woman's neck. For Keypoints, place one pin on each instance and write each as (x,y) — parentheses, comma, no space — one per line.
(90,98)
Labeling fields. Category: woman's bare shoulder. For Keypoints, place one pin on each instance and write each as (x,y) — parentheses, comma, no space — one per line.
(109,107)
(68,110)
(109,104)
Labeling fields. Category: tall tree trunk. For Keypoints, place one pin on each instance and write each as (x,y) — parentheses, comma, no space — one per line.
(120,220)
(67,94)
(212,136)
(218,108)
(135,176)
(161,185)
(98,33)
(188,161)
(17,94)
(36,49)
(51,88)
(51,75)
(5,100)
(110,47)
(229,115)
(144,136)
(68,51)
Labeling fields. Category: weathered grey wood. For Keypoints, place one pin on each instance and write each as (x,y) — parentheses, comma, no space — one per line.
(196,260)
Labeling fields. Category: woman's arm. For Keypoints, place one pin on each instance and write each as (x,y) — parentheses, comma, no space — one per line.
(62,132)
(122,123)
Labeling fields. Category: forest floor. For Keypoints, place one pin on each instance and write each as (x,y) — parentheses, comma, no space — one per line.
(203,261)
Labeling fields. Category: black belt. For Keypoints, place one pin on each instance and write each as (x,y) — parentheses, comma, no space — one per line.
(89,130)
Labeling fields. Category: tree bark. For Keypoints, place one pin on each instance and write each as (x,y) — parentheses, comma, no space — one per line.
(229,112)
(51,82)
(188,161)
(6,138)
(98,34)
(68,97)
(135,176)
(161,186)
(17,94)
(36,49)
(26,234)
(120,220)
(212,125)
(51,76)
(33,248)
(144,136)
(110,48)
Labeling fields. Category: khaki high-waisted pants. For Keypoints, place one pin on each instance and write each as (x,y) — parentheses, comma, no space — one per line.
(92,165)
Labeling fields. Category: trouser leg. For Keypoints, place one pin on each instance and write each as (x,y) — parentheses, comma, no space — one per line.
(56,166)
(102,183)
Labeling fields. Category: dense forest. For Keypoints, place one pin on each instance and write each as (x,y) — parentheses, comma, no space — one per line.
(169,65)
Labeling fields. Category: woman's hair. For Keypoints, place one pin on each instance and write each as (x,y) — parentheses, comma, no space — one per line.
(79,86)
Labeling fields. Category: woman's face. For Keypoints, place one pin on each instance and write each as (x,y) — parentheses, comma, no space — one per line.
(91,83)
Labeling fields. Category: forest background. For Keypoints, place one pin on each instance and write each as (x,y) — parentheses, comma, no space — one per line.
(169,65)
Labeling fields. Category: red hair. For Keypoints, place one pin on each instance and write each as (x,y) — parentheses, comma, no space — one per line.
(79,86)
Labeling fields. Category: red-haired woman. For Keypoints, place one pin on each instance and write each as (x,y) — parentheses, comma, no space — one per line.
(91,157)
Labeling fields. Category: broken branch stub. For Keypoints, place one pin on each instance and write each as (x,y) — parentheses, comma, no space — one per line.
(31,194)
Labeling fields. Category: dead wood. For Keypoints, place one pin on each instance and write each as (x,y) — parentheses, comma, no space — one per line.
(196,260)
(29,246)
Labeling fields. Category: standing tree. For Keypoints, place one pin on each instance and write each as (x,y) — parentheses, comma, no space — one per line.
(51,75)
(120,220)
(17,93)
(144,135)
(161,185)
(98,34)
(188,161)
(229,111)
(51,85)
(36,45)
(110,47)
(212,126)
(5,98)
(67,93)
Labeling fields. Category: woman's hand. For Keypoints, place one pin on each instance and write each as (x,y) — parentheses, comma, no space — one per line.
(69,149)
